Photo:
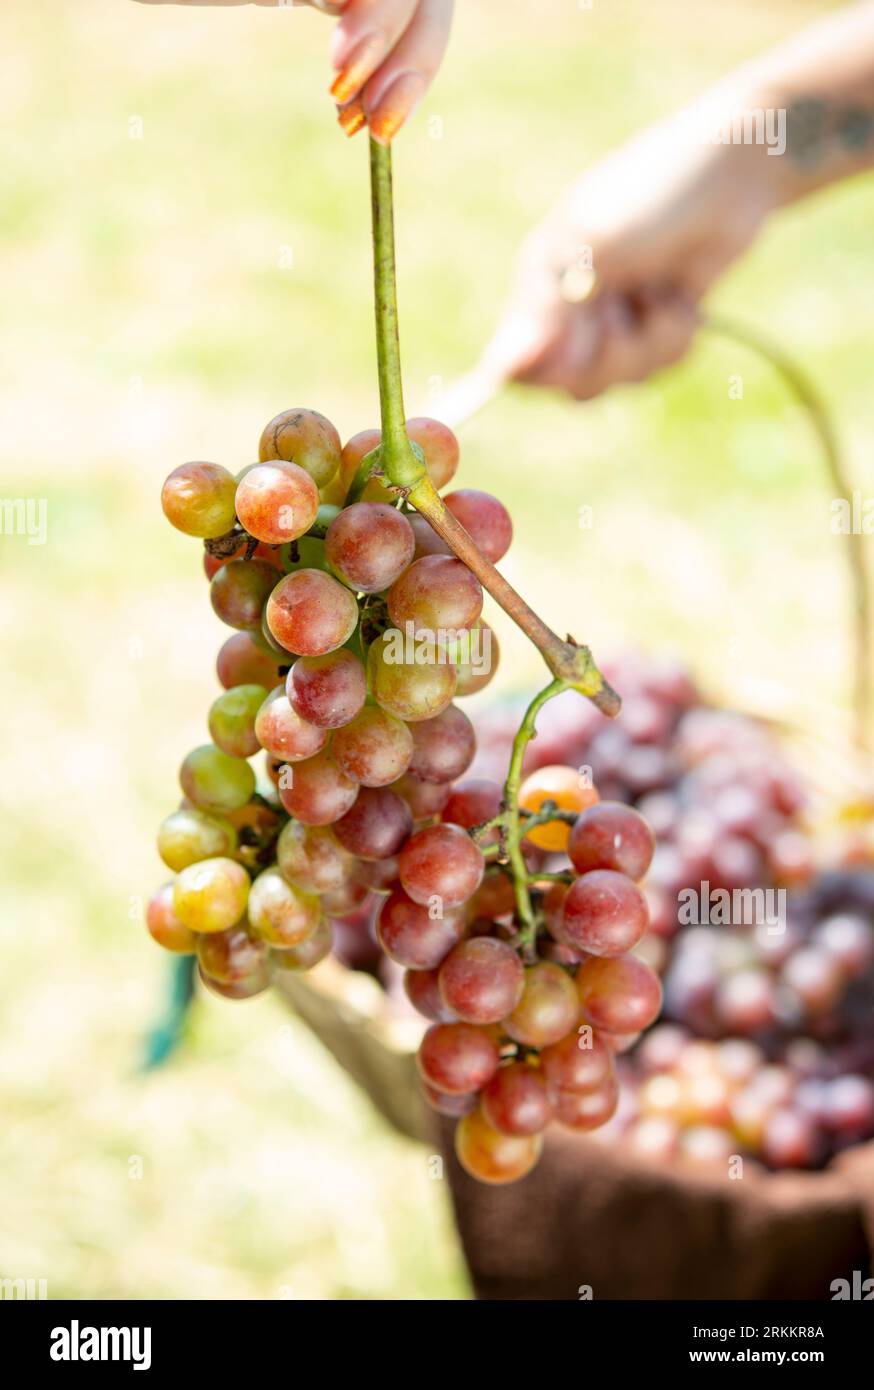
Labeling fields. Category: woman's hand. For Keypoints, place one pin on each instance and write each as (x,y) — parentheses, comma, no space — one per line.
(386,54)
(607,288)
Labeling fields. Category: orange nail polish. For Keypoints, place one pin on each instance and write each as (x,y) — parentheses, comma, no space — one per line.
(395,105)
(357,68)
(351,117)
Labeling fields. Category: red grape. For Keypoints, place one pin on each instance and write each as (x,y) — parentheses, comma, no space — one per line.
(426,538)
(305,438)
(425,799)
(369,545)
(478,660)
(241,662)
(376,825)
(327,690)
(244,989)
(849,940)
(457,1057)
(619,994)
(490,1156)
(446,1104)
(230,956)
(604,914)
(164,926)
(198,498)
(495,896)
(311,857)
(413,938)
(438,593)
(443,747)
(481,980)
(316,791)
(239,591)
(548,1009)
(441,862)
(515,1100)
(307,953)
(586,1110)
(611,836)
(579,1062)
(438,444)
(282,732)
(485,519)
(374,748)
(423,991)
(311,613)
(280,914)
(277,502)
(472,803)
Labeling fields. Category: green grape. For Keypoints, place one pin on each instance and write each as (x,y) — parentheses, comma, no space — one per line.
(215,781)
(280,914)
(187,836)
(232,720)
(211,895)
(412,680)
(198,498)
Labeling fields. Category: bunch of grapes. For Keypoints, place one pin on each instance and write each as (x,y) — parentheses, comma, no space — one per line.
(355,630)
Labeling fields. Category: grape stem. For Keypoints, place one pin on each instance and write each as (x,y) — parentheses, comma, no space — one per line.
(405,470)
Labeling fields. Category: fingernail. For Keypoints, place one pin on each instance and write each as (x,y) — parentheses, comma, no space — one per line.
(356,67)
(394,106)
(351,117)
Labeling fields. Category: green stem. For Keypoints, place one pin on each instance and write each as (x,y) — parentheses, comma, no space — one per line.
(510,810)
(396,456)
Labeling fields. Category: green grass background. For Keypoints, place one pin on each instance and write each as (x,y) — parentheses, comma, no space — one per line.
(146,319)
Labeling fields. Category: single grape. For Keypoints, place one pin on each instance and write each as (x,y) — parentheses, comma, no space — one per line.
(305,438)
(423,992)
(485,519)
(198,498)
(411,679)
(316,792)
(611,836)
(441,863)
(438,593)
(548,1009)
(312,858)
(588,1109)
(351,457)
(445,1104)
(477,659)
(604,914)
(443,747)
(187,836)
(327,690)
(164,926)
(618,993)
(241,662)
(214,781)
(374,748)
(376,825)
(425,799)
(244,989)
(413,938)
(515,1100)
(281,731)
(277,502)
(232,720)
(569,790)
(494,898)
(230,956)
(457,1057)
(239,591)
(426,538)
(580,1062)
(490,1156)
(211,895)
(307,953)
(280,914)
(310,613)
(481,980)
(473,802)
(369,545)
(438,444)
